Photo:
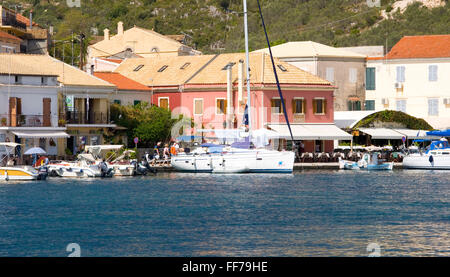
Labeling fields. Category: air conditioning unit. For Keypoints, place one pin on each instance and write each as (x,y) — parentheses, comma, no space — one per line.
(446,101)
(398,85)
(385,101)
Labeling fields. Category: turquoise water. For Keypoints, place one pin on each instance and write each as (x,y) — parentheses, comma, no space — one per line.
(310,213)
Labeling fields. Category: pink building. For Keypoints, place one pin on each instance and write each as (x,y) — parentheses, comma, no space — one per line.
(212,92)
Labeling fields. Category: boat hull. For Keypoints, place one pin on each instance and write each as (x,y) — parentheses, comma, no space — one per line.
(18,174)
(252,161)
(423,162)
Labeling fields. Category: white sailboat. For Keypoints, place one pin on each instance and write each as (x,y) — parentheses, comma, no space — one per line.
(238,160)
(437,156)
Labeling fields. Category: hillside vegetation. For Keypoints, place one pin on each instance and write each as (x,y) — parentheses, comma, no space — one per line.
(217,25)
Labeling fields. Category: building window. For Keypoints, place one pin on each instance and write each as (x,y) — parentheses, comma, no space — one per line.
(433,107)
(277,106)
(370,78)
(221,106)
(400,74)
(401,105)
(138,67)
(198,106)
(43,81)
(185,65)
(370,105)
(354,105)
(319,106)
(17,79)
(118,102)
(163,68)
(432,73)
(352,75)
(330,74)
(137,102)
(163,102)
(282,68)
(298,106)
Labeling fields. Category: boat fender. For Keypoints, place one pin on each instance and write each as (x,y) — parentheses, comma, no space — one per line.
(431,159)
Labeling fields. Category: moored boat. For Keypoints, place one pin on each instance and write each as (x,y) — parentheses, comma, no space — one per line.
(17,172)
(436,156)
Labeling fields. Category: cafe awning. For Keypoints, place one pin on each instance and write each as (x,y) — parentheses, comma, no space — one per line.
(397,133)
(311,132)
(40,134)
(381,133)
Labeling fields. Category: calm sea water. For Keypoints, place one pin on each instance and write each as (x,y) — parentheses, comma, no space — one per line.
(310,213)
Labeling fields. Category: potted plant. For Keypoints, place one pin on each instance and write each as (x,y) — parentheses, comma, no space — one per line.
(61,122)
(3,121)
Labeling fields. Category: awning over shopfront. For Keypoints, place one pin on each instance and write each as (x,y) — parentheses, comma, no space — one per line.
(381,133)
(40,134)
(386,133)
(311,132)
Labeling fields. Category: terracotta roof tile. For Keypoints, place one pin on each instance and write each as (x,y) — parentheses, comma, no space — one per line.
(208,70)
(29,64)
(8,36)
(430,46)
(122,82)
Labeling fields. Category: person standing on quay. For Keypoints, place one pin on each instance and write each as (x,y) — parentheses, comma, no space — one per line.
(166,154)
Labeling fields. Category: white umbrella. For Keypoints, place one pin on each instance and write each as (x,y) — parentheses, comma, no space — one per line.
(35,151)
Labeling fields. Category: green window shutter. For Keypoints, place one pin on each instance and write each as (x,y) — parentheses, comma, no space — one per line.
(370,78)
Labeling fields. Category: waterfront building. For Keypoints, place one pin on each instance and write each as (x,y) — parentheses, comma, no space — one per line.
(343,68)
(413,78)
(34,38)
(137,42)
(210,89)
(46,99)
(129,92)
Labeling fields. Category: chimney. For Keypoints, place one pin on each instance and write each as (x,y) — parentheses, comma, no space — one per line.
(120,28)
(106,34)
(31,19)
(241,81)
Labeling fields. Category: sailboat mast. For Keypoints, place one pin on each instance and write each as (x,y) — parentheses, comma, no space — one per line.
(247,70)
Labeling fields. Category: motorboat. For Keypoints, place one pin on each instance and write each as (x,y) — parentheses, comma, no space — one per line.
(436,156)
(85,166)
(17,172)
(372,161)
(119,165)
(349,165)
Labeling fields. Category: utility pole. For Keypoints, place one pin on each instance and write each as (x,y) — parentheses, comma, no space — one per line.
(82,37)
(72,48)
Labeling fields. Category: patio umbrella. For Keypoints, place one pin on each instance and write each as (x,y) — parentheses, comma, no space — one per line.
(35,151)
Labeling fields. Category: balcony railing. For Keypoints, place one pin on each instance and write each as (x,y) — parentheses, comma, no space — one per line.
(21,120)
(85,118)
(11,21)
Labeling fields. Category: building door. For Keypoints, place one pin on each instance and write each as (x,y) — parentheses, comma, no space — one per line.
(46,112)
(70,144)
(318,146)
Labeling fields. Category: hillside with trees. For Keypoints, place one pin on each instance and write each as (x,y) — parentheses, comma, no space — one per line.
(217,25)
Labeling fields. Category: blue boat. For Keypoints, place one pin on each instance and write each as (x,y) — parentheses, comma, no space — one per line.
(373,162)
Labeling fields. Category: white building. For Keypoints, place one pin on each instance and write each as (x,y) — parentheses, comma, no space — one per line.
(29,106)
(414,77)
(43,101)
